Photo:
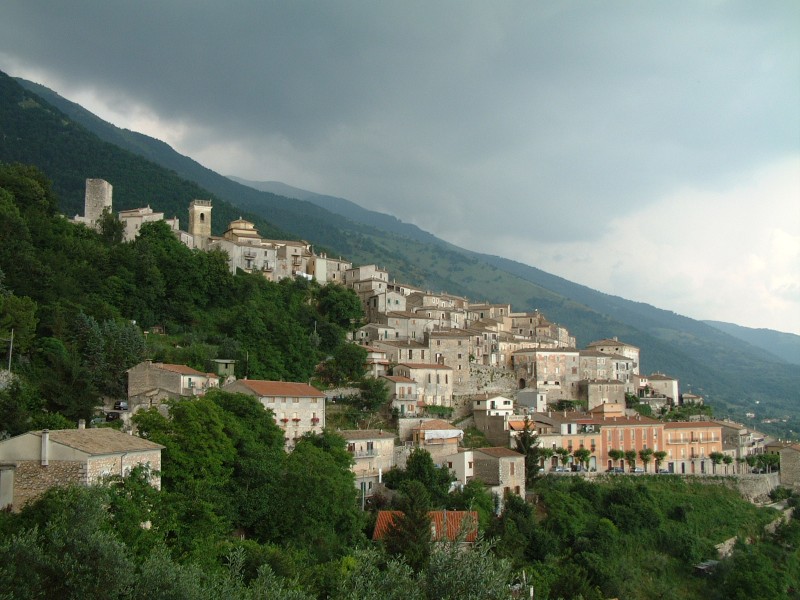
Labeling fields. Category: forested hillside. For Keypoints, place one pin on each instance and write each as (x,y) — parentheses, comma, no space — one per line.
(78,301)
(731,374)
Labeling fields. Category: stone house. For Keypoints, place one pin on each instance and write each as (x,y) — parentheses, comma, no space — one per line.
(434,382)
(438,437)
(450,347)
(551,370)
(297,408)
(149,383)
(501,469)
(596,392)
(373,455)
(404,394)
(660,385)
(407,325)
(790,466)
(614,346)
(384,301)
(36,461)
(398,351)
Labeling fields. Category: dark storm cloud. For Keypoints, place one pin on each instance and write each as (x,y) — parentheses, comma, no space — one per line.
(476,120)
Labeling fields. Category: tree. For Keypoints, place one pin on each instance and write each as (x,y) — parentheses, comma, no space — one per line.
(420,467)
(645,454)
(374,393)
(727,459)
(527,444)
(659,457)
(630,458)
(410,533)
(582,455)
(563,455)
(716,459)
(616,455)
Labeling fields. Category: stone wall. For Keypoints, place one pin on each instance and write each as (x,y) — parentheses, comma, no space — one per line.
(491,380)
(31,479)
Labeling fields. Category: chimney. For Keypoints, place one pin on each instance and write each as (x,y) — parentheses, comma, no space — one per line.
(81,423)
(45,446)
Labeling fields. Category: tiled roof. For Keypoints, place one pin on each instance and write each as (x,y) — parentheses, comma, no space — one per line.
(282,388)
(689,424)
(182,369)
(102,440)
(455,520)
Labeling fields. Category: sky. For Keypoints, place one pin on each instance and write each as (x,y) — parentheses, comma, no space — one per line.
(648,149)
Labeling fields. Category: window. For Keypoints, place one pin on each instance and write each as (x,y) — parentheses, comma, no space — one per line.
(512,466)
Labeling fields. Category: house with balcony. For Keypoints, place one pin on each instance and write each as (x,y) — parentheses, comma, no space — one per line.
(434,382)
(689,445)
(404,395)
(373,455)
(298,408)
(151,383)
(438,437)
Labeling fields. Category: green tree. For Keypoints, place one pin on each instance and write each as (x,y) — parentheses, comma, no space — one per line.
(659,457)
(410,534)
(563,455)
(582,456)
(716,459)
(420,467)
(645,455)
(630,458)
(527,444)
(374,393)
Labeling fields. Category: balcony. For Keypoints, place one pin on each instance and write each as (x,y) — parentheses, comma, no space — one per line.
(364,453)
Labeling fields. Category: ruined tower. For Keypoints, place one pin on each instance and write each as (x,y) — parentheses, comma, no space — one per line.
(96,200)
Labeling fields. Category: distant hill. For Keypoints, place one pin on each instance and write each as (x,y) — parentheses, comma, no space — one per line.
(784,346)
(731,373)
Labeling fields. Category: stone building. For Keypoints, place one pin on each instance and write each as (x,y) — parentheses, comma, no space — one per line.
(450,347)
(601,391)
(551,370)
(373,455)
(149,383)
(34,462)
(434,382)
(790,466)
(614,346)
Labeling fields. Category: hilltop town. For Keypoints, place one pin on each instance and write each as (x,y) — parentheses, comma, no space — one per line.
(295,406)
(451,365)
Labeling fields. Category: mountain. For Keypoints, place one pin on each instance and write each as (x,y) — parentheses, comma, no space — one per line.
(70,144)
(784,346)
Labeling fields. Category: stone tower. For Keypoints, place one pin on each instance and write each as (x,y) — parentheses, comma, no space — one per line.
(96,200)
(200,222)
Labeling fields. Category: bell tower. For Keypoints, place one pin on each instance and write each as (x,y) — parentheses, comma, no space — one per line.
(200,222)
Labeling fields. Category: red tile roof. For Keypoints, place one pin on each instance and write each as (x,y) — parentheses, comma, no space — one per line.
(182,369)
(282,388)
(455,520)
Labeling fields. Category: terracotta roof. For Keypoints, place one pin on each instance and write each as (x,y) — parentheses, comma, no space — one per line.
(102,440)
(689,424)
(281,388)
(182,369)
(499,452)
(455,520)
(609,342)
(660,377)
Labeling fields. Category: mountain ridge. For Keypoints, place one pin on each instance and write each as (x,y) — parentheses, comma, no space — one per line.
(729,372)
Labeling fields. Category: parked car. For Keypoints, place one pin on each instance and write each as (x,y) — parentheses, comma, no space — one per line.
(120,405)
(112,416)
(637,470)
(561,470)
(616,470)
(665,472)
